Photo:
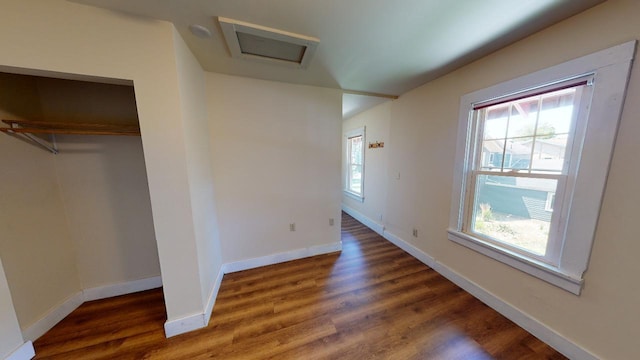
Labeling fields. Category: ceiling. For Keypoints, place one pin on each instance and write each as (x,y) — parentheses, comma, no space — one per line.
(372,46)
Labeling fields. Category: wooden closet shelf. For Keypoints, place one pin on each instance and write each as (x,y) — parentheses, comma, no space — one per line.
(45,127)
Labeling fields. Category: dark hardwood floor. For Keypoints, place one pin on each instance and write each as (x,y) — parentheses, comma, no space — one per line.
(372,301)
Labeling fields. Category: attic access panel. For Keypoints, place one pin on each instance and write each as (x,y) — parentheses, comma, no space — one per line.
(258,43)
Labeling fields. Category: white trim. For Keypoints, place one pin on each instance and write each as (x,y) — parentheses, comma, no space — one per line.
(24,352)
(185,324)
(360,131)
(281,257)
(59,312)
(198,320)
(231,28)
(522,319)
(352,195)
(368,222)
(52,317)
(129,287)
(540,270)
(213,295)
(411,249)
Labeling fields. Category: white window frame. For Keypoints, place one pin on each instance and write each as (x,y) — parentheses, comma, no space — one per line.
(610,69)
(348,135)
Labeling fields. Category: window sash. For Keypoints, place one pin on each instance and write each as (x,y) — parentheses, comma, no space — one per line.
(353,169)
(353,163)
(564,181)
(554,243)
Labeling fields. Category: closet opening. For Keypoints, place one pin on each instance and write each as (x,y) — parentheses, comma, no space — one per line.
(75,209)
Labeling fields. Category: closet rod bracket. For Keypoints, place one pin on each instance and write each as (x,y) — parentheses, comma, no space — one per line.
(34,139)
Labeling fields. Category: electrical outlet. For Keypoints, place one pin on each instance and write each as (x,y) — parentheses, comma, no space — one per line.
(415,232)
(331,222)
(292,227)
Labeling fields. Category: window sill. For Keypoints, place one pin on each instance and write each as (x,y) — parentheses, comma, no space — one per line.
(546,272)
(354,196)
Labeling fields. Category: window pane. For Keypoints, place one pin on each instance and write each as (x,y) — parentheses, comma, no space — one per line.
(355,179)
(495,125)
(557,112)
(524,114)
(529,134)
(355,147)
(514,210)
(549,152)
(492,154)
(517,155)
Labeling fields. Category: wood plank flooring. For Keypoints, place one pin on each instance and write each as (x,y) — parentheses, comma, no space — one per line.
(372,301)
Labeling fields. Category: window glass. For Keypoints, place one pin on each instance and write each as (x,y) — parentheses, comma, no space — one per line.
(522,146)
(354,167)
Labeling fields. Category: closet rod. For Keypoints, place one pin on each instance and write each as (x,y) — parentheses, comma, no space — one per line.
(24,129)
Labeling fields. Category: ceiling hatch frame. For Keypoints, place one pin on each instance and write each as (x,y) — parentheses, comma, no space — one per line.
(260,43)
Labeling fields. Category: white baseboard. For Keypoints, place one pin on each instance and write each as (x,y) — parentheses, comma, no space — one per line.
(129,287)
(185,324)
(524,320)
(281,257)
(195,321)
(533,326)
(24,352)
(367,221)
(200,320)
(213,295)
(54,316)
(60,311)
(412,250)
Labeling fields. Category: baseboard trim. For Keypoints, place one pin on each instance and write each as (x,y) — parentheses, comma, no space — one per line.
(213,295)
(129,287)
(54,316)
(60,311)
(367,221)
(185,324)
(533,326)
(281,257)
(24,352)
(409,248)
(195,321)
(524,320)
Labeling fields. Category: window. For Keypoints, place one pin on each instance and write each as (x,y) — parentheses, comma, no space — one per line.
(522,151)
(354,182)
(532,165)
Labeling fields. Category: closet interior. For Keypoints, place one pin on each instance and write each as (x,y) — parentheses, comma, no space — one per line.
(75,215)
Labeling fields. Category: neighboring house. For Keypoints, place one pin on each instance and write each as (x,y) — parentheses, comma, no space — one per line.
(500,192)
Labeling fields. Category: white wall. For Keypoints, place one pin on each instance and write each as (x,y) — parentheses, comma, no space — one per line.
(276,152)
(377,122)
(63,37)
(103,183)
(604,318)
(36,247)
(106,199)
(193,98)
